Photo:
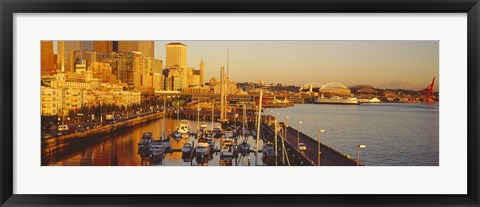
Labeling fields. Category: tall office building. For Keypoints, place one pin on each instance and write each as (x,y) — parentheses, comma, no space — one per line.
(47,57)
(87,45)
(138,70)
(103,46)
(68,54)
(202,70)
(61,56)
(145,47)
(176,55)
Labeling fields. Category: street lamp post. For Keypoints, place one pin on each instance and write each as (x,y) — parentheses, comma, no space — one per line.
(319,152)
(358,152)
(284,138)
(298,134)
(198,117)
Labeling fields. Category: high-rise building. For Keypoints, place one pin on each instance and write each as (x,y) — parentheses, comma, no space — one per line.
(61,56)
(122,66)
(153,65)
(47,57)
(145,47)
(103,46)
(158,81)
(176,55)
(69,48)
(202,70)
(87,45)
(138,70)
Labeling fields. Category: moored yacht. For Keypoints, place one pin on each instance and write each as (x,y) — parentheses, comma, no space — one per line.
(184,127)
(268,150)
(217,130)
(336,100)
(203,149)
(144,143)
(187,148)
(369,100)
(227,148)
(156,148)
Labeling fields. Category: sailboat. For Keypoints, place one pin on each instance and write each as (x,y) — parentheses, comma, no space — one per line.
(164,139)
(244,147)
(177,134)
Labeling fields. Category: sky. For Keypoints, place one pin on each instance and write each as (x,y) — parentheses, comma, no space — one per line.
(385,64)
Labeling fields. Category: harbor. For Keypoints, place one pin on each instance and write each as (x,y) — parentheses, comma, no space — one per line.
(338,144)
(142,113)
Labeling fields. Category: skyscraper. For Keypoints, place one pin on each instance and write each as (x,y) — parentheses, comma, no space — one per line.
(103,46)
(145,47)
(176,55)
(87,45)
(69,48)
(47,57)
(61,56)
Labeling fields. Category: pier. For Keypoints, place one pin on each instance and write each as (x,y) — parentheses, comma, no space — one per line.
(328,155)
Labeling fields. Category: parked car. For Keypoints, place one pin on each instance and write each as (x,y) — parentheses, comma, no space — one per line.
(302,147)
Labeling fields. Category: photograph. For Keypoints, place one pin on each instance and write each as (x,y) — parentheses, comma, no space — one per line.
(250,103)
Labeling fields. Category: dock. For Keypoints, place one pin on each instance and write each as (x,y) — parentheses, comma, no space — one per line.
(328,157)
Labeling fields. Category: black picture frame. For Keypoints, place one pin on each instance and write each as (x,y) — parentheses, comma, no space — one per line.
(10,7)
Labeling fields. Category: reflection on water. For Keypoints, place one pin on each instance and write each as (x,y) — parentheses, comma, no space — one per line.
(394,133)
(120,148)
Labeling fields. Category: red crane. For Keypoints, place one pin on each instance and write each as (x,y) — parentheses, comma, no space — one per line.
(428,93)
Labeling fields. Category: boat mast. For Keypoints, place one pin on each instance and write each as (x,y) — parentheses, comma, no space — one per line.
(258,125)
(244,118)
(198,116)
(213,111)
(164,114)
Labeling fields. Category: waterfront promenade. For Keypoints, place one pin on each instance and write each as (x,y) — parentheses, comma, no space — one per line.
(329,156)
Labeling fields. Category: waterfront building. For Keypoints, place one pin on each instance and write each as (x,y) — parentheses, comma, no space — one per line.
(49,101)
(47,57)
(196,90)
(69,81)
(58,101)
(116,97)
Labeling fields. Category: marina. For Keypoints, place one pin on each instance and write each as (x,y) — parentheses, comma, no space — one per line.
(338,145)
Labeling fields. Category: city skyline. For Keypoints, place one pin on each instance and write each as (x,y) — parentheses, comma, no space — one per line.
(385,64)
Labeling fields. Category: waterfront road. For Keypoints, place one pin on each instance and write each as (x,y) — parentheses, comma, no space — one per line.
(329,156)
